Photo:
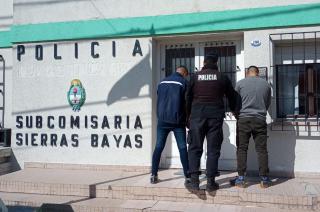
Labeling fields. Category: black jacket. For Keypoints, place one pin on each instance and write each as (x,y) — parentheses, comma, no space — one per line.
(206,91)
(171,103)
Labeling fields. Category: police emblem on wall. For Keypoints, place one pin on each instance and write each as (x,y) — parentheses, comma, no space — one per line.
(76,95)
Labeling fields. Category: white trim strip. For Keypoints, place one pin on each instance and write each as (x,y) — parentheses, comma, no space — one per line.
(171,82)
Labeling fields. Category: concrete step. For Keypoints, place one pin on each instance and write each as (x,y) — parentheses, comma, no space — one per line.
(5,151)
(29,202)
(298,193)
(5,163)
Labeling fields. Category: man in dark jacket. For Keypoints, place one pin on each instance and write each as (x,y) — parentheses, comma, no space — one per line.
(171,112)
(206,108)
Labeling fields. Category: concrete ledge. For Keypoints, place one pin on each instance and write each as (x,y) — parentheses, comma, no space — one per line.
(287,174)
(5,168)
(77,204)
(91,167)
(220,197)
(5,164)
(45,188)
(298,194)
(5,152)
(97,167)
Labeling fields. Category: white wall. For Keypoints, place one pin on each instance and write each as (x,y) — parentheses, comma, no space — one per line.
(289,151)
(7,55)
(6,18)
(6,14)
(43,11)
(114,86)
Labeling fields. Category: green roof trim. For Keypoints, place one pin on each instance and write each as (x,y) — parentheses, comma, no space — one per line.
(217,21)
(5,39)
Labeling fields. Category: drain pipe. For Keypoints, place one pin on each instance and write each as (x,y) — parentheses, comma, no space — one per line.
(5,133)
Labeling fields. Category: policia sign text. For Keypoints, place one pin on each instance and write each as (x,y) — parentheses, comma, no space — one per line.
(91,122)
(39,51)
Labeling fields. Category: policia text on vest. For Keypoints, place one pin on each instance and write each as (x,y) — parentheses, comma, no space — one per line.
(207,77)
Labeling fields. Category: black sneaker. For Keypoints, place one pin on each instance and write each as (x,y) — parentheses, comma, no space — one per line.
(194,184)
(265,182)
(187,181)
(233,181)
(212,185)
(154,179)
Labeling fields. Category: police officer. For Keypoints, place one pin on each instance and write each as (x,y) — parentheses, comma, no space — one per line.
(205,107)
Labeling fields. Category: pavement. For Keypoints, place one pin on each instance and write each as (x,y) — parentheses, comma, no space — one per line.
(123,190)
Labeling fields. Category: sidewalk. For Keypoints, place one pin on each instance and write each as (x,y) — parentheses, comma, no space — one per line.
(86,187)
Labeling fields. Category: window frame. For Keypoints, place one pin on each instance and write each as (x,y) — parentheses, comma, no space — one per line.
(292,40)
(305,95)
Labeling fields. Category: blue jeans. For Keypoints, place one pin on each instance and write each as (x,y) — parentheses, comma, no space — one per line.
(162,134)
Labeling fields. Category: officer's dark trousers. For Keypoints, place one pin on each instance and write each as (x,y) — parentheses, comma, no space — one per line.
(258,129)
(211,128)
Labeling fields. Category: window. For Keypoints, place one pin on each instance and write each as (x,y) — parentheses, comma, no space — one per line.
(177,55)
(226,63)
(191,55)
(296,69)
(227,60)
(298,90)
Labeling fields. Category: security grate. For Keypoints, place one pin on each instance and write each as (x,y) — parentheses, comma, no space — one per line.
(227,60)
(185,54)
(2,108)
(226,63)
(176,55)
(296,65)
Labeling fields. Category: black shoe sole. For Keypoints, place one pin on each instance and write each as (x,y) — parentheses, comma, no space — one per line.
(213,187)
(154,180)
(232,182)
(191,187)
(265,185)
(240,185)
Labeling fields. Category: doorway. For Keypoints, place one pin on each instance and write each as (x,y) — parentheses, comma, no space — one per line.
(191,54)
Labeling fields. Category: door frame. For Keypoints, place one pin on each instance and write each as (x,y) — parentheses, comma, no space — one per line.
(199,45)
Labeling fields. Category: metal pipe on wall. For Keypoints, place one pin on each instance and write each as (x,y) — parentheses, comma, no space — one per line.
(3,89)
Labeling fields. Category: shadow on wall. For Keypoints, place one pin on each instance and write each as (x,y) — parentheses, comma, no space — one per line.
(281,149)
(130,85)
(228,159)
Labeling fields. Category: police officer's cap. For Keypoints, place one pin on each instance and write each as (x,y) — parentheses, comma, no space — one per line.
(212,57)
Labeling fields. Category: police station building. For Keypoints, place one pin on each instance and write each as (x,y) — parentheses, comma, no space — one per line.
(81,76)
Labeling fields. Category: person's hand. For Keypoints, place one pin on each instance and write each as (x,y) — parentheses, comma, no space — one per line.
(188,123)
(236,115)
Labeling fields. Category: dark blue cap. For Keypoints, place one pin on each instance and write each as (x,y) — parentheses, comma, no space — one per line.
(212,57)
